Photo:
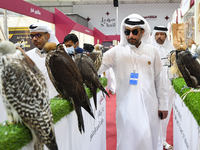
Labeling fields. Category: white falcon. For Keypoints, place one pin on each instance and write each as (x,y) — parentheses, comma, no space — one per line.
(25,95)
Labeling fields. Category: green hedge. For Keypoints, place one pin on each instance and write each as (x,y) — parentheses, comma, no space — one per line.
(192,100)
(16,136)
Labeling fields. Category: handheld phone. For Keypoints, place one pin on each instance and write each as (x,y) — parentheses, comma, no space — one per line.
(161,115)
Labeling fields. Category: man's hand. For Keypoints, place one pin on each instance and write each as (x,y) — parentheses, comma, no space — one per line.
(19,48)
(162,114)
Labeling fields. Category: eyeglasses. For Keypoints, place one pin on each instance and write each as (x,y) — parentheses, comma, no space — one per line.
(37,36)
(134,32)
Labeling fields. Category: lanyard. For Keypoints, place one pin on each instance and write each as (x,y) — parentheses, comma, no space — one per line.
(134,57)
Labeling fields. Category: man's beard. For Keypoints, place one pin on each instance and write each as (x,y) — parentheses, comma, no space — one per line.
(159,41)
(135,42)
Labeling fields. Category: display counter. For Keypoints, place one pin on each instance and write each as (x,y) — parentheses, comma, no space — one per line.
(186,117)
(68,137)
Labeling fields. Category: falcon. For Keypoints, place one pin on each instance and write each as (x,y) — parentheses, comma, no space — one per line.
(88,47)
(67,79)
(96,56)
(173,62)
(189,68)
(25,95)
(89,75)
(185,64)
(173,65)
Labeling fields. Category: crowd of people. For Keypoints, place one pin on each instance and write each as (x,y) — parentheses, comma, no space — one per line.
(135,74)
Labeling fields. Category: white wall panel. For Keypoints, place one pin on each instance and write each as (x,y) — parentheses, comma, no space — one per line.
(106,23)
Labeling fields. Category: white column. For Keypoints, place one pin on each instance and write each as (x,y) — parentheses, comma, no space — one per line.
(116,20)
(5,24)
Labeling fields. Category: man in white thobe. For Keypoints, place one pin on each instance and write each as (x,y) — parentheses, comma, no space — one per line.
(164,46)
(140,93)
(40,34)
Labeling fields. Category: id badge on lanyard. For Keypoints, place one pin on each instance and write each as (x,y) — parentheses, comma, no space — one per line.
(133,78)
(134,75)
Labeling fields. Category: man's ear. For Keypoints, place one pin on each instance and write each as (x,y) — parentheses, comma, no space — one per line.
(142,32)
(77,45)
(48,35)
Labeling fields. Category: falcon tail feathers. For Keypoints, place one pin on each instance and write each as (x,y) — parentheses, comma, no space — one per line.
(88,107)
(80,118)
(51,143)
(104,91)
(94,93)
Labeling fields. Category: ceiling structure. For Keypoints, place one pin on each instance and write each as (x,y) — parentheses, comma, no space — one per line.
(48,3)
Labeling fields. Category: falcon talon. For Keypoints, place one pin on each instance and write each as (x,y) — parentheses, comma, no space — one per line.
(5,123)
(184,87)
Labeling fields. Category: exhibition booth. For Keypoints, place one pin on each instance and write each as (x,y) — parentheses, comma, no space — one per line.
(184,28)
(17,136)
(14,21)
(186,121)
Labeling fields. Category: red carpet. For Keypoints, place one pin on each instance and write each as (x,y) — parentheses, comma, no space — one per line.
(111,134)
(170,130)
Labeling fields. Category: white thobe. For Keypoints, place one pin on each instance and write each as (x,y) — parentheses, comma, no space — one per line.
(39,60)
(111,82)
(137,105)
(163,51)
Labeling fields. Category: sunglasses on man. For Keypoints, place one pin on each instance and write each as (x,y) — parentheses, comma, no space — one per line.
(37,36)
(134,32)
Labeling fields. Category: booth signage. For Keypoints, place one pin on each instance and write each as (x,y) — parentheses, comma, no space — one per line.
(185,127)
(150,17)
(18,34)
(37,12)
(28,9)
(108,22)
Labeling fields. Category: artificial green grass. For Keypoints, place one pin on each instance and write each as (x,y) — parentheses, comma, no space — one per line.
(16,136)
(192,100)
(13,137)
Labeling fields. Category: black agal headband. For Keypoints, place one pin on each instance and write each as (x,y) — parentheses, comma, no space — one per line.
(32,26)
(140,22)
(160,28)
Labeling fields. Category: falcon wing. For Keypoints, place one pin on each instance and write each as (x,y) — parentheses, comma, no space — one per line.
(65,74)
(68,80)
(189,68)
(89,74)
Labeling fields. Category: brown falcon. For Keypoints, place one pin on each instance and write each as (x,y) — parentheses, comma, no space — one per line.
(96,55)
(189,68)
(25,95)
(186,65)
(67,79)
(89,75)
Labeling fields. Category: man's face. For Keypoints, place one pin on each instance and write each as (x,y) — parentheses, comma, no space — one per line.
(39,39)
(70,43)
(160,37)
(134,35)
